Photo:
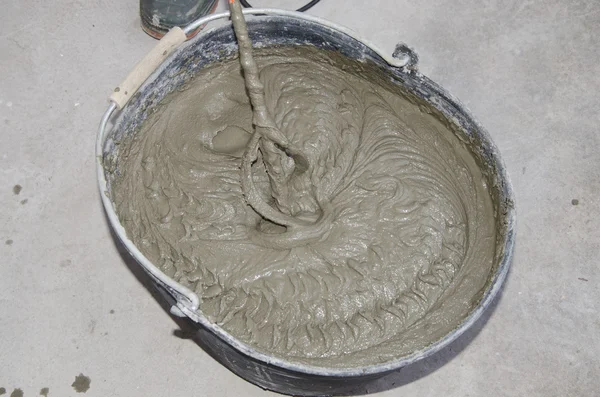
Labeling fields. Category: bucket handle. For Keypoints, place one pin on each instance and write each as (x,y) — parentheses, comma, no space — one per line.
(406,54)
(169,42)
(403,56)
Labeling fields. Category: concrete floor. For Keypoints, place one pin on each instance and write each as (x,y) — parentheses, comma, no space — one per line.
(70,305)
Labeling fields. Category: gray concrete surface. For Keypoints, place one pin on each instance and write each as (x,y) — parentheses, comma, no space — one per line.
(70,304)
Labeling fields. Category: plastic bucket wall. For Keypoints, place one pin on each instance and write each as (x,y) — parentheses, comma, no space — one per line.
(219,43)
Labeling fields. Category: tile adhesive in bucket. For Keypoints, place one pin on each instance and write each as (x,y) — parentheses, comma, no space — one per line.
(371,231)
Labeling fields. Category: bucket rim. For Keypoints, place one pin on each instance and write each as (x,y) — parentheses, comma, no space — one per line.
(188,302)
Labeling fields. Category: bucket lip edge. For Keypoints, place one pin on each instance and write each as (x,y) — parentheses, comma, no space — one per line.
(492,290)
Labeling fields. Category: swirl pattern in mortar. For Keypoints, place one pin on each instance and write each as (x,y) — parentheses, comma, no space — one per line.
(410,217)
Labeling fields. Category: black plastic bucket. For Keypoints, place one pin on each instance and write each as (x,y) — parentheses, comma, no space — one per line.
(295,29)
